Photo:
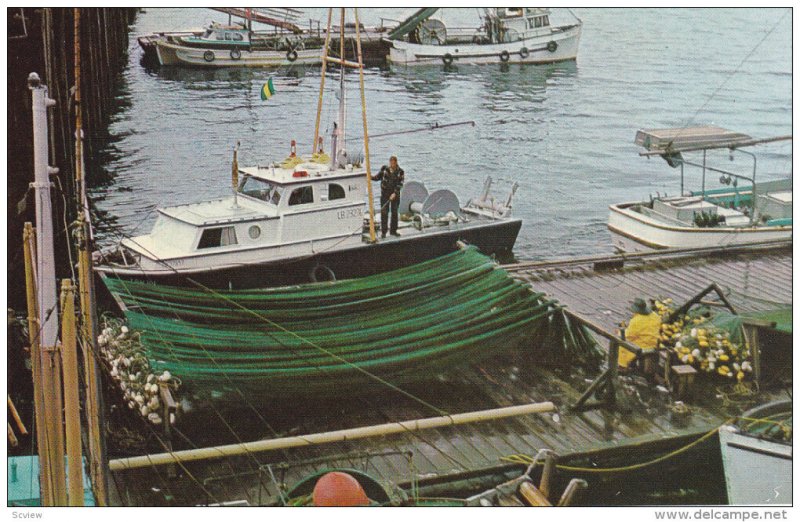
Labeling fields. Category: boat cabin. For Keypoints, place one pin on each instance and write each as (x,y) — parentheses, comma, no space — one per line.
(223,34)
(524,22)
(272,206)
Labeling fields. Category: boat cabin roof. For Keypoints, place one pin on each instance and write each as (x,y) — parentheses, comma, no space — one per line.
(303,173)
(689,138)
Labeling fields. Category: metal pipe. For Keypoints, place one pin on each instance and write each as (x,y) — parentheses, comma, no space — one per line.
(703,192)
(72,411)
(379,430)
(753,198)
(47,327)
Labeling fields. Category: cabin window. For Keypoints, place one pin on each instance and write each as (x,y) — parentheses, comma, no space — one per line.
(537,22)
(238,36)
(301,196)
(217,237)
(227,36)
(257,188)
(276,196)
(545,21)
(335,191)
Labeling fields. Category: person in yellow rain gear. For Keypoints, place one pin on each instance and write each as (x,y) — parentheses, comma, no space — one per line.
(643,330)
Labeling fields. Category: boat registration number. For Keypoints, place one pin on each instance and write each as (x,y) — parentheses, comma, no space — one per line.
(349,213)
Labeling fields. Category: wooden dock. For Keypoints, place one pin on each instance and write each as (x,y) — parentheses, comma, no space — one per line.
(473,457)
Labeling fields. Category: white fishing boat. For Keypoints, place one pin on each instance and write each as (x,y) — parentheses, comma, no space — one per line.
(757,456)
(308,217)
(508,35)
(237,46)
(734,214)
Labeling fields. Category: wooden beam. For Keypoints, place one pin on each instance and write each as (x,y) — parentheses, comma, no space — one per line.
(343,63)
(379,430)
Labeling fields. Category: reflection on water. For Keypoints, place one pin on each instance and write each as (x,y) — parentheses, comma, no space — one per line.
(563,131)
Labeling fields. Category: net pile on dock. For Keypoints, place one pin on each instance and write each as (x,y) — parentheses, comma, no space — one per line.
(405,325)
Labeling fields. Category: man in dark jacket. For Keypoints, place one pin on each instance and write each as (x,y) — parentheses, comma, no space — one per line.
(391,179)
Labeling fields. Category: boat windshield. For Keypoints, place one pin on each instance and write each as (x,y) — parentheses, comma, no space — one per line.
(260,189)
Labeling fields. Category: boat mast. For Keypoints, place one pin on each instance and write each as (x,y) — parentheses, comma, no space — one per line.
(342,102)
(339,131)
(322,82)
(366,134)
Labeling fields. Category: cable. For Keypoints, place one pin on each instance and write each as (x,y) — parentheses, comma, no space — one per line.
(730,75)
(526,459)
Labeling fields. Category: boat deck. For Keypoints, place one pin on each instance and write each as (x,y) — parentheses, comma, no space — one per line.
(639,429)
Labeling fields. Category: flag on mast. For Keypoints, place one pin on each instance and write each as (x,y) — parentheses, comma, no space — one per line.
(267,90)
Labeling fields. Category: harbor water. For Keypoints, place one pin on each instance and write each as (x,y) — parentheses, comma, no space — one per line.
(564,132)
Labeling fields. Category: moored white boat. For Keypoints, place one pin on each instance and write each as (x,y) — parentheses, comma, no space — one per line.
(729,216)
(308,217)
(236,46)
(509,35)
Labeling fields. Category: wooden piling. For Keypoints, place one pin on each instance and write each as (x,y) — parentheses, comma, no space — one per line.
(72,410)
(46,485)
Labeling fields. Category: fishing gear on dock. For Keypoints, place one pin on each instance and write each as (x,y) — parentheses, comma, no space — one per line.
(411,323)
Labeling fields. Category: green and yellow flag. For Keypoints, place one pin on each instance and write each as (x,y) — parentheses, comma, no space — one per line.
(267,90)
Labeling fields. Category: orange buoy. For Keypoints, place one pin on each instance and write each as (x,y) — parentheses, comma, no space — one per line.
(339,489)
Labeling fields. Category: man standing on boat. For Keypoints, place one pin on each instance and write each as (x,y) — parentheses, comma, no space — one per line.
(391,179)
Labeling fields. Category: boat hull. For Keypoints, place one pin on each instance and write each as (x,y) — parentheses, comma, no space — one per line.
(635,232)
(361,259)
(757,456)
(538,52)
(172,54)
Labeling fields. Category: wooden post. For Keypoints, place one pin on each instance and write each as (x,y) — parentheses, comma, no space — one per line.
(15,415)
(12,439)
(533,496)
(613,371)
(547,473)
(86,286)
(45,478)
(72,410)
(372,237)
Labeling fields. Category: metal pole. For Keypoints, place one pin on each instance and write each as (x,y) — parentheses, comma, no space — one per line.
(328,437)
(45,477)
(46,288)
(322,80)
(72,409)
(372,237)
(703,196)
